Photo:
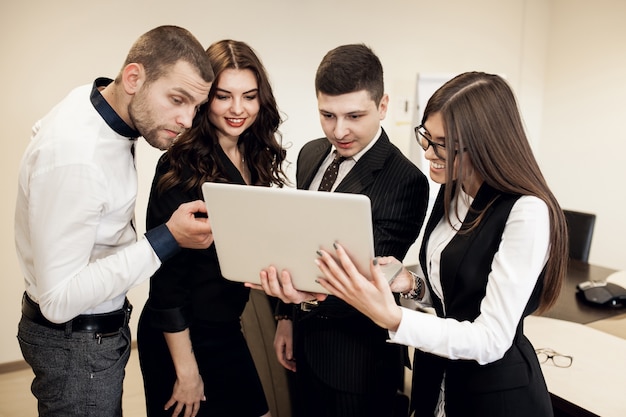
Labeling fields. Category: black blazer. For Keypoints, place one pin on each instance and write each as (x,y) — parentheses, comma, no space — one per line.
(511,386)
(189,288)
(348,351)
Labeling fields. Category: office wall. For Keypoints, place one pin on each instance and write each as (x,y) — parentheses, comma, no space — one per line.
(50,47)
(583,142)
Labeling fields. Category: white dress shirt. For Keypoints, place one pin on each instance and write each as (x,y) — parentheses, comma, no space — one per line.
(345,166)
(75,240)
(521,256)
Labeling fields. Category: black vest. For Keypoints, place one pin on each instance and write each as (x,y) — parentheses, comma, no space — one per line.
(464,269)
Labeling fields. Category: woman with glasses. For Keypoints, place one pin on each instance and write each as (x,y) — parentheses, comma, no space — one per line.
(494,251)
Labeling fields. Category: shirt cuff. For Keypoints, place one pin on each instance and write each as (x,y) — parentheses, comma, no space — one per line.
(171,320)
(404,333)
(162,242)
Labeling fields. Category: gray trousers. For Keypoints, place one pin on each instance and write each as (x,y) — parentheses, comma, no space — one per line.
(76,374)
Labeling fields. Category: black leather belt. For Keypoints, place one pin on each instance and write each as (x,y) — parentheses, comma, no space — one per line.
(101,324)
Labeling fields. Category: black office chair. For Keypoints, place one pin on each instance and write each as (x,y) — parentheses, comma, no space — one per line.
(580,228)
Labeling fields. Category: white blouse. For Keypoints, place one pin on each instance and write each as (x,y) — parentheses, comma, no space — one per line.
(521,256)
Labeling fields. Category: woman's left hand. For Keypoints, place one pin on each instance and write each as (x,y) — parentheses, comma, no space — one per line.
(372,298)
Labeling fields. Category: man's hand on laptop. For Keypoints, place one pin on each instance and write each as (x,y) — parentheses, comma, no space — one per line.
(281,286)
(190,226)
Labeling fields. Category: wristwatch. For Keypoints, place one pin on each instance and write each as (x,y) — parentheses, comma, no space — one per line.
(416,291)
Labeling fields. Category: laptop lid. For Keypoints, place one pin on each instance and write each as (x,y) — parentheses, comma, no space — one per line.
(255,227)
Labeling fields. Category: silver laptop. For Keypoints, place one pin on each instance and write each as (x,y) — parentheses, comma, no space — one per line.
(255,227)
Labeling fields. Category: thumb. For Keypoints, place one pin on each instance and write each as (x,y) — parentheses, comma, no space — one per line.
(378,276)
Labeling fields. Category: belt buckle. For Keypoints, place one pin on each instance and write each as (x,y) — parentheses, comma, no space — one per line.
(308,305)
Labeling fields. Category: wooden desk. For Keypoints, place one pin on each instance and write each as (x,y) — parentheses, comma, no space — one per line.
(615,325)
(569,307)
(594,384)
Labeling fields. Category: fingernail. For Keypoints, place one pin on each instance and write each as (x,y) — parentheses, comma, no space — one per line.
(319,253)
(375,261)
(317,281)
(335,245)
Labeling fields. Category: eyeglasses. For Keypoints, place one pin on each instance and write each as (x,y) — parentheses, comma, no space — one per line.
(423,138)
(558,359)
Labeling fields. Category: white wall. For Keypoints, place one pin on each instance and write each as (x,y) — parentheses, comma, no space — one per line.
(583,145)
(50,47)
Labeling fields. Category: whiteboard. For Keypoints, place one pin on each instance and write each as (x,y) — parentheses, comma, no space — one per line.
(425,86)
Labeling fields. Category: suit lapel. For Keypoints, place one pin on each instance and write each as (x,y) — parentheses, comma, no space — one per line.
(362,174)
(310,161)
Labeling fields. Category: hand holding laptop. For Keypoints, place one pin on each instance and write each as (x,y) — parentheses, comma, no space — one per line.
(279,284)
(372,297)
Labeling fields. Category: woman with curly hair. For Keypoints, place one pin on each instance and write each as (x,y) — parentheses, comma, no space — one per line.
(193,356)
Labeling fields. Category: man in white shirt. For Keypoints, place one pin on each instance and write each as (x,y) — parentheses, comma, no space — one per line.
(74,232)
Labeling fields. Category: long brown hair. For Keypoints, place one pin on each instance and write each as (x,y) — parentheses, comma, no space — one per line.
(196,150)
(481,117)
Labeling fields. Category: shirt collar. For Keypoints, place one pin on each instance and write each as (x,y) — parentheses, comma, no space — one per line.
(109,115)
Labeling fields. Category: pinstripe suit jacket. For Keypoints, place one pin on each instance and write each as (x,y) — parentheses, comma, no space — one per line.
(348,351)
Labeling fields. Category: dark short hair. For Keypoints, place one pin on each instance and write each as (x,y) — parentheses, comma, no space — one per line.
(162,47)
(350,68)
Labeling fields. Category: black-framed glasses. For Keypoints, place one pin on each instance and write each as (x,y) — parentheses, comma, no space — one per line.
(425,142)
(558,359)
(423,138)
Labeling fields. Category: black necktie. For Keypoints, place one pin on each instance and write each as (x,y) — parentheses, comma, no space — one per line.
(330,175)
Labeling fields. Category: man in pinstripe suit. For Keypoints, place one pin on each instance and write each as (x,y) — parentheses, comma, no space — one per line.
(343,365)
